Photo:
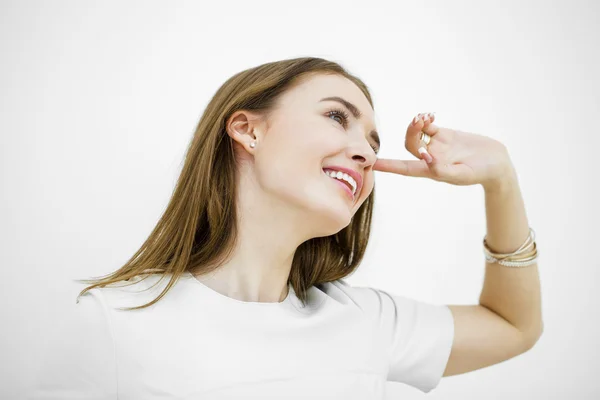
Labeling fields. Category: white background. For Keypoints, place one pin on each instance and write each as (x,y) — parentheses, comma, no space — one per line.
(100,99)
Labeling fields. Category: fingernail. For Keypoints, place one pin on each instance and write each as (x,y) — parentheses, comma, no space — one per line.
(415,119)
(425,154)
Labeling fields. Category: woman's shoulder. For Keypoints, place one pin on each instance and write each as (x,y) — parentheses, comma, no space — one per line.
(134,292)
(343,292)
(369,299)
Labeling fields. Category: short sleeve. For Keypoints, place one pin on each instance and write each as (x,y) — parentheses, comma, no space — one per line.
(418,336)
(79,362)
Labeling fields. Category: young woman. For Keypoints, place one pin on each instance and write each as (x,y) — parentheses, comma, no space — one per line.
(239,291)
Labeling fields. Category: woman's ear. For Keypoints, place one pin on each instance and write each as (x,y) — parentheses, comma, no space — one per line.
(242,127)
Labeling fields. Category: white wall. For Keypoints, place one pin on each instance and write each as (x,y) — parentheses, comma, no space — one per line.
(100,99)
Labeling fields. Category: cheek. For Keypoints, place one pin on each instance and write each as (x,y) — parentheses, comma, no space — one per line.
(317,136)
(296,147)
(295,139)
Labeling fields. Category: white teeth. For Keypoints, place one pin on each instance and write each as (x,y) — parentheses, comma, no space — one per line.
(343,176)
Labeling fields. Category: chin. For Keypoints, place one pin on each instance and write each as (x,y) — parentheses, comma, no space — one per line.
(333,218)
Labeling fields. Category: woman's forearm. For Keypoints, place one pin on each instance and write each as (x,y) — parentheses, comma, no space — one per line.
(511,292)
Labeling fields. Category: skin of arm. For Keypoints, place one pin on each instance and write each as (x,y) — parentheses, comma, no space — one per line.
(508,319)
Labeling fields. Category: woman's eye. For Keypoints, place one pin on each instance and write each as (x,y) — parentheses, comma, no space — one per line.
(343,116)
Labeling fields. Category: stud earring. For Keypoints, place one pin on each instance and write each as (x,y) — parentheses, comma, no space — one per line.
(253,144)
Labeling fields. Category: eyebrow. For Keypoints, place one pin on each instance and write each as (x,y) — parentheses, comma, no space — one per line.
(355,112)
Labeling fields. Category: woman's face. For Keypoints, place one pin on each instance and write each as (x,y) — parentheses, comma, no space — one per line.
(307,134)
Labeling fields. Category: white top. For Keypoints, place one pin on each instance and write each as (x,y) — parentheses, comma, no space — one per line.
(196,343)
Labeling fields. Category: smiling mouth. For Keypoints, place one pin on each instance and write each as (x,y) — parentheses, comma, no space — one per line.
(346,184)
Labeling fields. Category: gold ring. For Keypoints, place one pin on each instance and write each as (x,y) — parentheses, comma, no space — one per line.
(425,138)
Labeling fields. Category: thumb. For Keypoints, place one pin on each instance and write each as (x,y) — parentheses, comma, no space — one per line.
(415,168)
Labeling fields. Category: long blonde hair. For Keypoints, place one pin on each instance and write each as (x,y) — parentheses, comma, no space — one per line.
(198,230)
